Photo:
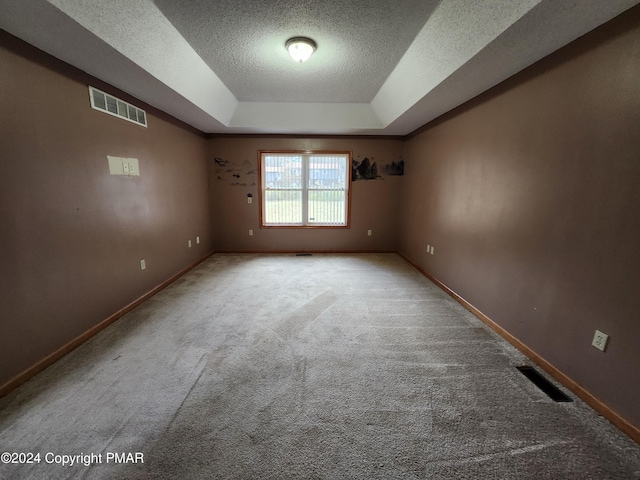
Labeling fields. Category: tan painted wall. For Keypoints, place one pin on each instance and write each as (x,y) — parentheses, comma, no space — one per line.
(530,195)
(71,235)
(374,203)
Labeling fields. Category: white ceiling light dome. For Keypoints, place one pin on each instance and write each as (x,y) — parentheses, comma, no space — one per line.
(300,48)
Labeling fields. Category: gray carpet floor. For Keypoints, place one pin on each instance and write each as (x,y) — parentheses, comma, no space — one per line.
(287,367)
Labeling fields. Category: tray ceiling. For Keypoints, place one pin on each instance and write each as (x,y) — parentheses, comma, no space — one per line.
(381,68)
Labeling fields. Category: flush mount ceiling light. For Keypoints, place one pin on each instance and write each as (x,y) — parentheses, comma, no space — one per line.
(300,48)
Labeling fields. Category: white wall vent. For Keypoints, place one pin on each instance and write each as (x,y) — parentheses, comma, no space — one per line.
(118,108)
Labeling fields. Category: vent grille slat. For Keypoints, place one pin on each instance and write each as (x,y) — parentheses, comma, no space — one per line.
(118,108)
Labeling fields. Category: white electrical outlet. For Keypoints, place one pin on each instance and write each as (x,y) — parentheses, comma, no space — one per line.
(143,265)
(250,232)
(249,200)
(600,340)
(431,249)
(428,248)
(189,242)
(369,232)
(198,240)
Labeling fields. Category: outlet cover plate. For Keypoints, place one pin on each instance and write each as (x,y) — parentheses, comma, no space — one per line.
(600,340)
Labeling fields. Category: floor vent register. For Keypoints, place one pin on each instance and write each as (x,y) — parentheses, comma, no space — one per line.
(543,384)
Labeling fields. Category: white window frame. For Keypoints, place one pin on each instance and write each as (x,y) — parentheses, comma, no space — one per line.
(306,156)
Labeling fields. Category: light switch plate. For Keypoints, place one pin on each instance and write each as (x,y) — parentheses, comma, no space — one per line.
(123,166)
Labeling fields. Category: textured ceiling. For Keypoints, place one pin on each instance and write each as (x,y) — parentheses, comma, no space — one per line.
(381,67)
(359,44)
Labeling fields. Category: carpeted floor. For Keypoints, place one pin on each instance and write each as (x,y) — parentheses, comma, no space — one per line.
(285,367)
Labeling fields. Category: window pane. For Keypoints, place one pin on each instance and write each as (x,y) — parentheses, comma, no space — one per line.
(327,171)
(327,207)
(282,171)
(282,207)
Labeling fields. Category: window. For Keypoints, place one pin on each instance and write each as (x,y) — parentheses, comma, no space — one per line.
(304,189)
